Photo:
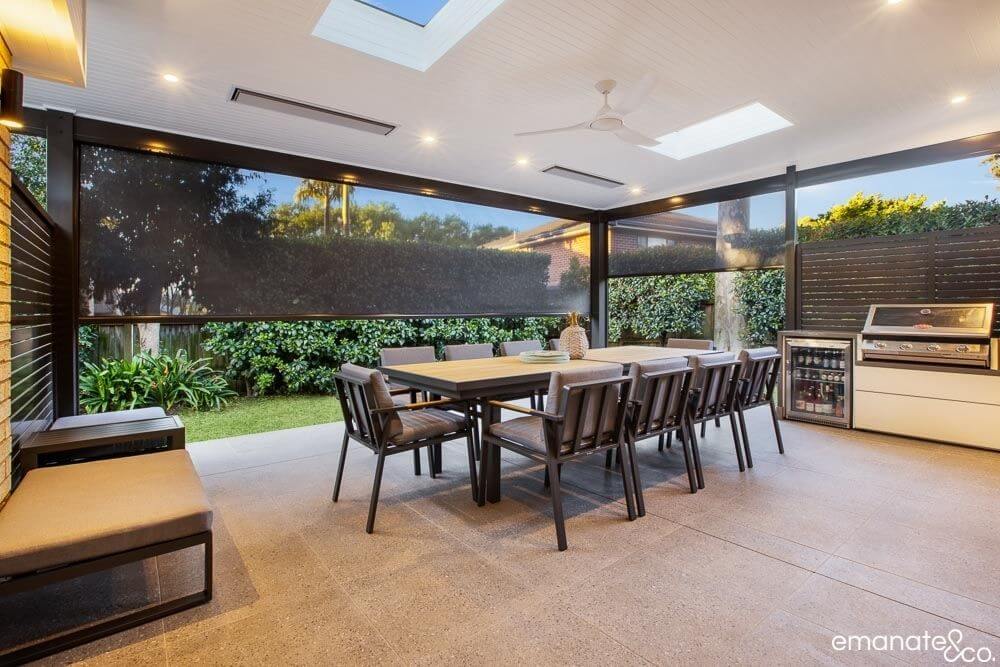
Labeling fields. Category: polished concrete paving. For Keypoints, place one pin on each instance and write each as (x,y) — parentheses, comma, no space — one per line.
(848,533)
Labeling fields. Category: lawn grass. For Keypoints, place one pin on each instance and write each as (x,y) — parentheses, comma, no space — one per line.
(244,416)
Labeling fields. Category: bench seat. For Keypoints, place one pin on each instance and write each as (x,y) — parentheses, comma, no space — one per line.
(67,514)
(102,418)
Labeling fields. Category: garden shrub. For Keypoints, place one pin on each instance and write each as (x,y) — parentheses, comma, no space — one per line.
(760,300)
(146,380)
(659,306)
(302,357)
(757,249)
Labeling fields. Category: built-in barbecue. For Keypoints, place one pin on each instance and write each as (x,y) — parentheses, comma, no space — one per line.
(946,334)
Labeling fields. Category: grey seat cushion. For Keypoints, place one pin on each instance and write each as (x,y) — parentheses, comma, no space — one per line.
(512,348)
(380,394)
(526,431)
(474,351)
(76,512)
(691,343)
(755,354)
(638,369)
(655,411)
(116,417)
(398,356)
(427,423)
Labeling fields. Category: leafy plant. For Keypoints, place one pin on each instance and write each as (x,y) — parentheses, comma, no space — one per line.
(302,357)
(659,306)
(146,380)
(760,300)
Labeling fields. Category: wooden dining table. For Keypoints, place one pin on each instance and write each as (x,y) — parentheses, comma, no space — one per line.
(480,380)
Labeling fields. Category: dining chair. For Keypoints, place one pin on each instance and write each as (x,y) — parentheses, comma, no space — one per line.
(399,356)
(373,419)
(691,343)
(714,385)
(760,368)
(585,415)
(512,348)
(469,351)
(658,400)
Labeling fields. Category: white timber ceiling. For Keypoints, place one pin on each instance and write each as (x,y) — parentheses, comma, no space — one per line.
(856,77)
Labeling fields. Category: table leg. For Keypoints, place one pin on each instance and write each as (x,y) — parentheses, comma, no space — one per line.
(492,462)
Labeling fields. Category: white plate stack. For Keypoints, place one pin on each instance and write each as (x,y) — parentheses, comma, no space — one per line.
(544,357)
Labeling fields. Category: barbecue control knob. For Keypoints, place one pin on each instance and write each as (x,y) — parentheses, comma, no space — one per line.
(933,347)
(905,346)
(880,345)
(962,348)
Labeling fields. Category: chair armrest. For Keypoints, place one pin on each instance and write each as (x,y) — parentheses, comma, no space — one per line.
(513,407)
(418,406)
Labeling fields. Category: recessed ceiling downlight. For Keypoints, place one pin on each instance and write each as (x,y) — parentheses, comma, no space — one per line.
(725,129)
(582,177)
(310,111)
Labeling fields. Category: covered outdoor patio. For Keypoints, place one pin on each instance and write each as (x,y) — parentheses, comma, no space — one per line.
(710,377)
(845,533)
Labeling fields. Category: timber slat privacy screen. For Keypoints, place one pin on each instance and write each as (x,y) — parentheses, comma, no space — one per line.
(32,405)
(736,234)
(840,279)
(165,236)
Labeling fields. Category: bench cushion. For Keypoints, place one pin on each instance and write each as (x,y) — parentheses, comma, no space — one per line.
(77,512)
(101,418)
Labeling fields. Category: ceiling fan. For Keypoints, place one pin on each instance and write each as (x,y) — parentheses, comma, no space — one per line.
(608,119)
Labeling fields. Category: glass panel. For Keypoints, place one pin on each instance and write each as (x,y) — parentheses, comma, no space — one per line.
(415,11)
(166,236)
(930,318)
(28,162)
(818,380)
(947,195)
(743,233)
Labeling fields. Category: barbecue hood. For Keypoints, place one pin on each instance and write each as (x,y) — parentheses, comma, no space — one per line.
(933,320)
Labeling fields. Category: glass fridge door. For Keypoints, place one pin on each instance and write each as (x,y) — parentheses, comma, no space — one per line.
(818,380)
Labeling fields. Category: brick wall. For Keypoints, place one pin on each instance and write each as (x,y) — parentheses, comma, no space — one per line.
(4,299)
(562,251)
(626,240)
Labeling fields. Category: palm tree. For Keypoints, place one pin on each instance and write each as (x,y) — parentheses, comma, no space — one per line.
(325,194)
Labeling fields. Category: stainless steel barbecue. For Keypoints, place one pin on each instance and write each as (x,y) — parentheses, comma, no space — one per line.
(949,334)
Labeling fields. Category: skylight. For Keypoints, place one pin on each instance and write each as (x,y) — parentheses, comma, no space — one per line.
(415,11)
(412,33)
(725,129)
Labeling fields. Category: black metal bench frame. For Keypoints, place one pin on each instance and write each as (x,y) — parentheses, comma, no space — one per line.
(70,638)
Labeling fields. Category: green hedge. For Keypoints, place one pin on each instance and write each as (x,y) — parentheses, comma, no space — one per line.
(659,306)
(302,357)
(760,300)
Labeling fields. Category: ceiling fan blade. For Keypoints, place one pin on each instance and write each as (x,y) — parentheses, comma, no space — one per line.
(630,136)
(638,94)
(579,126)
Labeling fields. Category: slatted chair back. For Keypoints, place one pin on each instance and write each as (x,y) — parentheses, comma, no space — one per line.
(713,385)
(512,348)
(760,370)
(659,394)
(592,403)
(472,351)
(360,391)
(691,343)
(398,356)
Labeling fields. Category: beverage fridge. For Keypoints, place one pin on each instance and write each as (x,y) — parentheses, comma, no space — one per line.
(817,380)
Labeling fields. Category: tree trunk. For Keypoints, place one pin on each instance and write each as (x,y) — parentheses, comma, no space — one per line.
(734,222)
(326,215)
(344,207)
(149,332)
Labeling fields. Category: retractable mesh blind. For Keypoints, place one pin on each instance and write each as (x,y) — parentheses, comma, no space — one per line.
(166,236)
(746,233)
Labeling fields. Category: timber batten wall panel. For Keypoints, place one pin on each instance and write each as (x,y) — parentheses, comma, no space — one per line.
(839,279)
(5,281)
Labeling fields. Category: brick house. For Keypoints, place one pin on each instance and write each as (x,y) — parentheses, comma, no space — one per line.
(563,240)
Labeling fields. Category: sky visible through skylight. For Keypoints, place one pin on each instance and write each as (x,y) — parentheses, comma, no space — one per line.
(417,11)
